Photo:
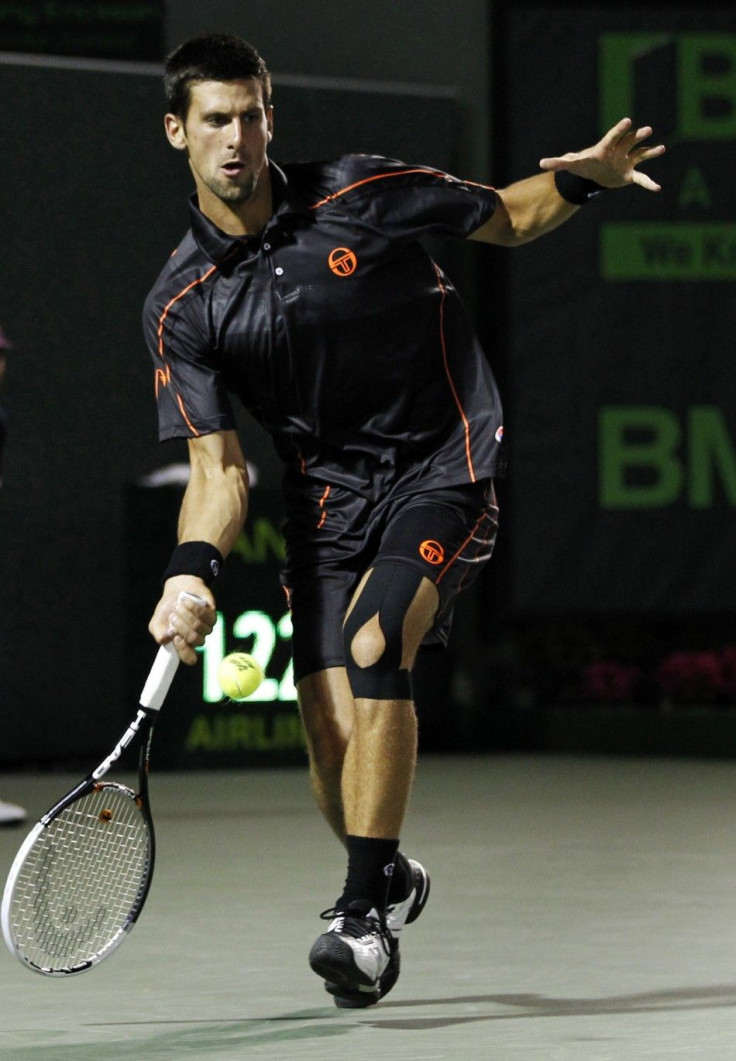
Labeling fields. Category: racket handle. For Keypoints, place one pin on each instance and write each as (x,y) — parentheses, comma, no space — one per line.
(163,670)
(160,677)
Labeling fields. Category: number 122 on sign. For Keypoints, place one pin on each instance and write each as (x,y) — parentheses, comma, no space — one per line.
(264,637)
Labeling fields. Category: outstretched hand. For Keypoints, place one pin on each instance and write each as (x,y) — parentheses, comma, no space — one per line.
(613,161)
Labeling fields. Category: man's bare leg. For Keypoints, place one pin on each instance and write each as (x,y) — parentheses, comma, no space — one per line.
(328,713)
(379,761)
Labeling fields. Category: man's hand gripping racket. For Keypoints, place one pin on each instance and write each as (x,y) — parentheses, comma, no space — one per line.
(82,875)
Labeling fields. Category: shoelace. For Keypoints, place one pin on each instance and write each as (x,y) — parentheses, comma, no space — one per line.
(356,925)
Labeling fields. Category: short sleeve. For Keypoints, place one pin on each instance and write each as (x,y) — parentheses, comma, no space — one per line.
(190,394)
(406,201)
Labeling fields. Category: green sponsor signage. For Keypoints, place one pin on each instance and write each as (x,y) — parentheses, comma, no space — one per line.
(649,458)
(668,250)
(695,73)
(703,66)
(105,29)
(207,729)
(623,383)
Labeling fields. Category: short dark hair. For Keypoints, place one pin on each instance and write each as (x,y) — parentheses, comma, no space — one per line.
(211,57)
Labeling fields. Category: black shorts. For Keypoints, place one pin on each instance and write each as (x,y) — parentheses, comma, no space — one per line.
(334,536)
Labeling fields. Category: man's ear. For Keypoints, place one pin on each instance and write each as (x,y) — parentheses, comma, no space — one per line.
(175,132)
(269,122)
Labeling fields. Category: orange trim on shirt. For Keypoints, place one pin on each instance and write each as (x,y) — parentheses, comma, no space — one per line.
(322,503)
(176,298)
(183,412)
(458,403)
(396,173)
(163,376)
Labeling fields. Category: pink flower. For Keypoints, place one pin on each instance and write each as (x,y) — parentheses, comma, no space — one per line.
(692,677)
(607,680)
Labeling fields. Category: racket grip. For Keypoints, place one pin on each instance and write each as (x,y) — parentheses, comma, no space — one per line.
(161,675)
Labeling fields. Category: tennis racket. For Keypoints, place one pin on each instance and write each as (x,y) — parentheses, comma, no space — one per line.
(82,875)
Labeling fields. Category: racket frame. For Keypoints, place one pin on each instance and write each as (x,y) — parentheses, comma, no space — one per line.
(154,692)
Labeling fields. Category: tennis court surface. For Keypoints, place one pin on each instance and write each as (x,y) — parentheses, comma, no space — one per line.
(581,908)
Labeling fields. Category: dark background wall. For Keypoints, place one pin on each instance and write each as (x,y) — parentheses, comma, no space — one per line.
(85,232)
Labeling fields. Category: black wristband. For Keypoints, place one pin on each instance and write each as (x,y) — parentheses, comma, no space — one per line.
(195,558)
(576,190)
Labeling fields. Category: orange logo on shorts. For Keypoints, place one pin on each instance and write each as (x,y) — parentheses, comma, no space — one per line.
(342,261)
(432,552)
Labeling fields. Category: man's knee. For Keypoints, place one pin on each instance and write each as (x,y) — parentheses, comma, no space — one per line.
(375,633)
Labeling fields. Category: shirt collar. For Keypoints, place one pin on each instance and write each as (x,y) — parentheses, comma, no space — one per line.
(218,245)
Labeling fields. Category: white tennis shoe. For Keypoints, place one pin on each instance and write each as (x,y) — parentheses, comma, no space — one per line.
(409,909)
(353,996)
(355,949)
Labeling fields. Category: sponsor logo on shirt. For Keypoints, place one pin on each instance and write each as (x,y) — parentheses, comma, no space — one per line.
(342,261)
(432,552)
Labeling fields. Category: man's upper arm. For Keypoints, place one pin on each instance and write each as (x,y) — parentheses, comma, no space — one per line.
(406,201)
(190,394)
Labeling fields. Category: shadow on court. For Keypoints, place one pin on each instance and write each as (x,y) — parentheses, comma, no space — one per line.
(538,1006)
(177,1039)
(314,1025)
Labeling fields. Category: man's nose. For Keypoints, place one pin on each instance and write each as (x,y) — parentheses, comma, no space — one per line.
(235,131)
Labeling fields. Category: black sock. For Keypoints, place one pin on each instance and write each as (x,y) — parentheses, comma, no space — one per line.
(370,865)
(402,880)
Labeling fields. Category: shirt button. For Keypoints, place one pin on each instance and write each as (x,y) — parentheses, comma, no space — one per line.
(279,271)
(267,246)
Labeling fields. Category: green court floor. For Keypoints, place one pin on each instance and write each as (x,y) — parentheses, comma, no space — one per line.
(581,908)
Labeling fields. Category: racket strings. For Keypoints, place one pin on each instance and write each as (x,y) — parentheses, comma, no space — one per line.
(82,881)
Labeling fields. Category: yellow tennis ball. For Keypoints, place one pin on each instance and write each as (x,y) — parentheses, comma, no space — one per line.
(239,675)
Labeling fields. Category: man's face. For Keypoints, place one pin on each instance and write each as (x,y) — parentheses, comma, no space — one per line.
(226,135)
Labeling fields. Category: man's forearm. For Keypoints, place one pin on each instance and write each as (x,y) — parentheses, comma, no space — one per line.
(212,513)
(526,210)
(214,507)
(216,498)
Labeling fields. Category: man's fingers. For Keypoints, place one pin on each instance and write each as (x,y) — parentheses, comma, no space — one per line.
(186,636)
(645,182)
(185,651)
(630,139)
(643,133)
(616,133)
(644,153)
(183,622)
(613,160)
(192,621)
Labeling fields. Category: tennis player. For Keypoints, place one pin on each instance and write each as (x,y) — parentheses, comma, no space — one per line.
(304,291)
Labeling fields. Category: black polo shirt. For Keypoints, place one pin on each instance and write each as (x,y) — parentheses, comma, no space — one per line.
(334,328)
